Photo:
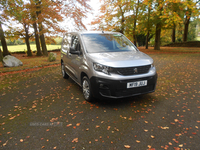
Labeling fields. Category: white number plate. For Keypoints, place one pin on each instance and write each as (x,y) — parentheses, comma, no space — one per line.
(137,84)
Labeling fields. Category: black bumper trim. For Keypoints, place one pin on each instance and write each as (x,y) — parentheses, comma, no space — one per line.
(104,88)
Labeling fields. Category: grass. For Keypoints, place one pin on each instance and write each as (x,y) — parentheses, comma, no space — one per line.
(22,48)
(30,62)
(198,38)
(35,62)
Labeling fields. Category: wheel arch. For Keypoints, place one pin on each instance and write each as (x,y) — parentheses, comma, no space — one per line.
(82,75)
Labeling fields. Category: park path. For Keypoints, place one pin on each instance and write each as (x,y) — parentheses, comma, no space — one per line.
(41,110)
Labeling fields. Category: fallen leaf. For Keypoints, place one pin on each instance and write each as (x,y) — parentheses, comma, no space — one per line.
(127,146)
(176,120)
(137,141)
(69,125)
(194,133)
(181,145)
(75,140)
(152,136)
(164,128)
(78,124)
(5,143)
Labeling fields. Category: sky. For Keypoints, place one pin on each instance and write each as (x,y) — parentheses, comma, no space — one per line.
(69,25)
(95,4)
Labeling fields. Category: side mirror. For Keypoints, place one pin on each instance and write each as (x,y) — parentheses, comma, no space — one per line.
(73,51)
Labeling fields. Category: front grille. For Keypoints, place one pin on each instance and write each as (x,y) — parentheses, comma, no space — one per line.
(132,70)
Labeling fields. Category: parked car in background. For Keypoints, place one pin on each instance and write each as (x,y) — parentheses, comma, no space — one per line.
(106,65)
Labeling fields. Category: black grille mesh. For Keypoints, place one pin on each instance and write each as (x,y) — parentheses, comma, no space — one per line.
(132,70)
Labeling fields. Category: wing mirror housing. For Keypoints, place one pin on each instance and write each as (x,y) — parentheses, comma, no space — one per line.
(73,51)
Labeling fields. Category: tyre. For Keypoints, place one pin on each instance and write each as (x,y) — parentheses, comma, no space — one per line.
(64,74)
(86,87)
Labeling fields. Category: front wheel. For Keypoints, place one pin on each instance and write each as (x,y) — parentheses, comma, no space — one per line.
(86,89)
(64,74)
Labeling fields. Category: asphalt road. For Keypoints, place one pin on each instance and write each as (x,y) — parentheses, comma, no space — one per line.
(41,110)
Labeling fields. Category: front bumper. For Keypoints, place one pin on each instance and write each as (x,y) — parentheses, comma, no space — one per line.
(105,88)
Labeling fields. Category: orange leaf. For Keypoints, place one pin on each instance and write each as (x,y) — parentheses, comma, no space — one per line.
(127,146)
(75,140)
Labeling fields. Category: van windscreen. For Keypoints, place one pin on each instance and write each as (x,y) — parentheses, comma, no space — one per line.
(99,43)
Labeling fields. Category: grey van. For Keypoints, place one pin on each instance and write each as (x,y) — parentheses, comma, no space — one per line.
(106,65)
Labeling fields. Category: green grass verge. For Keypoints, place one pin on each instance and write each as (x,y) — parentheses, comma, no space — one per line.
(22,48)
(30,62)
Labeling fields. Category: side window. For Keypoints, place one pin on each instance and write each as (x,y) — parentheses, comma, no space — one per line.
(75,43)
(66,42)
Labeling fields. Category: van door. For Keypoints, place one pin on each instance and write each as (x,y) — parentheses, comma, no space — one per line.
(66,44)
(75,57)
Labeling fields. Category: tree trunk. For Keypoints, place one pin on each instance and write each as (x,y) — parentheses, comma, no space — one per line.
(134,33)
(147,40)
(39,53)
(29,53)
(42,40)
(37,42)
(1,56)
(174,34)
(122,20)
(157,37)
(135,21)
(148,27)
(187,21)
(3,42)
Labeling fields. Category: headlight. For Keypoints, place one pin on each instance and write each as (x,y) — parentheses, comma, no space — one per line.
(152,65)
(101,68)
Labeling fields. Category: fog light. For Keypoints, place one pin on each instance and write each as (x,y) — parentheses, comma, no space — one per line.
(103,86)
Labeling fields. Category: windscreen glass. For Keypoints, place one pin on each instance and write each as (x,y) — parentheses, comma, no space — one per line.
(99,43)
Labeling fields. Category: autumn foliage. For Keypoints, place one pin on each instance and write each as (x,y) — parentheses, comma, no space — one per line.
(43,16)
(140,19)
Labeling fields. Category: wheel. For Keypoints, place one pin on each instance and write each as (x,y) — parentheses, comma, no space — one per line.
(86,89)
(64,74)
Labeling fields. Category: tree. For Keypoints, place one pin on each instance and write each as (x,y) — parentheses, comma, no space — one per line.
(27,37)
(1,55)
(174,16)
(158,23)
(3,42)
(148,26)
(191,8)
(17,10)
(2,37)
(39,5)
(43,16)
(112,16)
(135,6)
(37,42)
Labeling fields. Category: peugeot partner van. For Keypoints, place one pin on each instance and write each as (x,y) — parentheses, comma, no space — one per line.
(106,65)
